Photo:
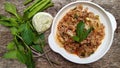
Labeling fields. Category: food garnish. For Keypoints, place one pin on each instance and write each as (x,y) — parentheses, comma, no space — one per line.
(81,32)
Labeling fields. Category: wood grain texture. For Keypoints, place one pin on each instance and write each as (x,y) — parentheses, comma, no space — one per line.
(110,60)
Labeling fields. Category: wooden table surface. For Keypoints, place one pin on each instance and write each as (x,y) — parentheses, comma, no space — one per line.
(110,60)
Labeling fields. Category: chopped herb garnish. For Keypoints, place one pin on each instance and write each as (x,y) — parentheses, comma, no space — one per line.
(75,16)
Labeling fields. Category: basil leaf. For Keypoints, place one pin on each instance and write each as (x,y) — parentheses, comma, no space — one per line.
(21,27)
(80,28)
(39,42)
(6,23)
(82,37)
(9,22)
(39,38)
(42,40)
(87,32)
(10,55)
(38,48)
(9,7)
(81,32)
(11,46)
(26,58)
(76,38)
(14,30)
(2,17)
(21,48)
(21,56)
(13,21)
(42,37)
(27,35)
(30,63)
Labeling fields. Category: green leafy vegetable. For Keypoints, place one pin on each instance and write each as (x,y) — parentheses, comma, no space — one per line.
(8,21)
(21,56)
(24,35)
(5,23)
(9,7)
(13,21)
(2,17)
(11,54)
(76,38)
(39,39)
(42,40)
(40,43)
(81,32)
(38,48)
(27,35)
(80,28)
(14,30)
(21,47)
(30,63)
(21,27)
(26,58)
(11,46)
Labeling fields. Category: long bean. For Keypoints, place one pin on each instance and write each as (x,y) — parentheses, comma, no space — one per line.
(27,1)
(38,8)
(38,4)
(36,1)
(48,5)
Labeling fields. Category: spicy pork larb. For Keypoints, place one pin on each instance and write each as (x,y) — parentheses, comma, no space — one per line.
(80,31)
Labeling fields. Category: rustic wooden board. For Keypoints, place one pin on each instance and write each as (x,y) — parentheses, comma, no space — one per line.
(110,60)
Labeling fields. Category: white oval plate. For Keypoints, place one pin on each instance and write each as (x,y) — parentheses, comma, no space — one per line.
(106,43)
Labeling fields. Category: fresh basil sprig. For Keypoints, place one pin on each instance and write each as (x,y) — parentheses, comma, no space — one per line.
(24,35)
(81,32)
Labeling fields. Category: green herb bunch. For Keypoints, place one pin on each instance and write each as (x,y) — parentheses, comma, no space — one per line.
(24,34)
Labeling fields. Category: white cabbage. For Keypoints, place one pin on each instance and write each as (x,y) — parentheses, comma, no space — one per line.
(42,21)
